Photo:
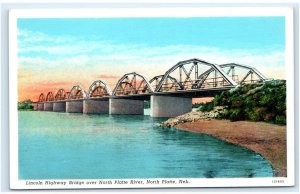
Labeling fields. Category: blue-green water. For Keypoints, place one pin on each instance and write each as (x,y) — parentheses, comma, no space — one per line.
(70,146)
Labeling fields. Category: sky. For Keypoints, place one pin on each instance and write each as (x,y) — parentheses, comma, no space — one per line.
(56,53)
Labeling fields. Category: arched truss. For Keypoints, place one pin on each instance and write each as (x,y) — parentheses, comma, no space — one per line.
(67,94)
(61,95)
(250,74)
(50,96)
(99,89)
(196,74)
(131,84)
(41,98)
(77,93)
(174,83)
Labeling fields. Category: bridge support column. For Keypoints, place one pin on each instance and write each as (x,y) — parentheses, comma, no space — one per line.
(74,106)
(96,106)
(40,106)
(169,106)
(35,106)
(59,106)
(48,106)
(126,106)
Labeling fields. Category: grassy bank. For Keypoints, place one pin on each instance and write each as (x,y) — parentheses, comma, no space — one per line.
(254,102)
(259,112)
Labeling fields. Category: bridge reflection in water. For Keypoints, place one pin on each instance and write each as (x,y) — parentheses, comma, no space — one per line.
(170,94)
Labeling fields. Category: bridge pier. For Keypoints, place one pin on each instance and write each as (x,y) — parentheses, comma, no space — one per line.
(40,106)
(96,106)
(35,106)
(74,106)
(48,106)
(126,106)
(169,106)
(59,106)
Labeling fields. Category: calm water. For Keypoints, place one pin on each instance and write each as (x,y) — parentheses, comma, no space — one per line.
(70,146)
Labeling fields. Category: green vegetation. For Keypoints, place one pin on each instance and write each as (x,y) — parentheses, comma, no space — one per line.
(197,105)
(25,105)
(256,102)
(147,104)
(204,107)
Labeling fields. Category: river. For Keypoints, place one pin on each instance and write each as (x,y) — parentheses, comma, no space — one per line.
(79,146)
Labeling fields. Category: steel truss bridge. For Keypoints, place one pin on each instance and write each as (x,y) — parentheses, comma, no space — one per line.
(189,78)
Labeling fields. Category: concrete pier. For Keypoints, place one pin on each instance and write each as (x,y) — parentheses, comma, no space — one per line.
(169,106)
(35,106)
(59,106)
(48,106)
(96,106)
(74,106)
(40,106)
(126,106)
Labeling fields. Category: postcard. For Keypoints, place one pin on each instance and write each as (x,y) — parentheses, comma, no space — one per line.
(151,97)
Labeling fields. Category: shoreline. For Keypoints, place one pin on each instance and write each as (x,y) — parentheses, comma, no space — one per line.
(267,140)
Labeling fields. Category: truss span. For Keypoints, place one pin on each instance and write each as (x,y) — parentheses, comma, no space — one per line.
(99,89)
(61,95)
(195,74)
(242,73)
(170,81)
(41,98)
(50,96)
(77,93)
(132,84)
(186,76)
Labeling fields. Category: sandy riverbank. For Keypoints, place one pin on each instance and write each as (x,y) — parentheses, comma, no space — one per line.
(268,140)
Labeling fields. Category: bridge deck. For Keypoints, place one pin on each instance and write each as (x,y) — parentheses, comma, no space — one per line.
(193,93)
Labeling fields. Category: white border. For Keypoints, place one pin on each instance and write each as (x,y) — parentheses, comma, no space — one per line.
(150,1)
(287,12)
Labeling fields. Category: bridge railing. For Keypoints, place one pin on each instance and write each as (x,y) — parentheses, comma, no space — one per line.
(121,92)
(170,87)
(251,81)
(98,95)
(193,84)
(213,83)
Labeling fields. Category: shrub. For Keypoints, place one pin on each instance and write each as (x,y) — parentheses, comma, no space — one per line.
(25,106)
(217,99)
(265,100)
(257,102)
(237,103)
(269,117)
(254,116)
(220,115)
(235,114)
(197,105)
(249,103)
(280,106)
(207,107)
(280,119)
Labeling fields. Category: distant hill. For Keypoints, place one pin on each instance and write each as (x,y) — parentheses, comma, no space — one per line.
(255,102)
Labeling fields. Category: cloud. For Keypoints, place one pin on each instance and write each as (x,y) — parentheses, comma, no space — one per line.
(57,61)
(74,51)
(107,77)
(85,68)
(34,37)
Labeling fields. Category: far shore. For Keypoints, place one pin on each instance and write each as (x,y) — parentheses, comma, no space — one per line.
(268,140)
